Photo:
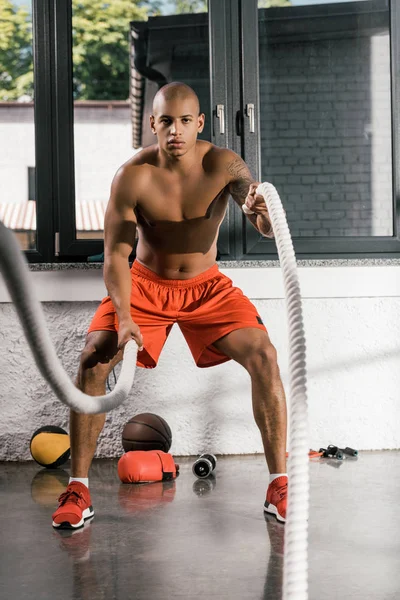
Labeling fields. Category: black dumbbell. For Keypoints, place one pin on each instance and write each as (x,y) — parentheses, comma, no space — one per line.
(204,465)
(350,451)
(340,452)
(332,452)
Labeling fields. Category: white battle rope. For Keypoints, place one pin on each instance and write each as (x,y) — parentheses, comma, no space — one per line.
(17,277)
(295,576)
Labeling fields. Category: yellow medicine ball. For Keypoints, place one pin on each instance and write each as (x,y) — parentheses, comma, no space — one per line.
(50,446)
(47,485)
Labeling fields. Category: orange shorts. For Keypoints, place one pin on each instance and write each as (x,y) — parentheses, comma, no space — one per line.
(205,307)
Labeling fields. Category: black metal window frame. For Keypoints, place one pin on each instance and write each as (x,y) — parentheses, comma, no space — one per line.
(256,248)
(44,183)
(31,183)
(233,35)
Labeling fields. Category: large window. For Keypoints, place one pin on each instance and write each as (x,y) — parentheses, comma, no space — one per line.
(325,126)
(305,90)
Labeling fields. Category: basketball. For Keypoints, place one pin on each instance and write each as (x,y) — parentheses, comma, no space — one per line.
(50,446)
(146,432)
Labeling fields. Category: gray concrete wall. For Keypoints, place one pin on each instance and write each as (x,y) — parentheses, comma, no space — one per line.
(326,133)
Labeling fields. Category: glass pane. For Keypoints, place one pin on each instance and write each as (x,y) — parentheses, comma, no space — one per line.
(325,115)
(17,125)
(116,75)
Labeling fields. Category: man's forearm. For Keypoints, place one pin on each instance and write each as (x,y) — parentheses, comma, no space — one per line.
(117,277)
(262,223)
(239,189)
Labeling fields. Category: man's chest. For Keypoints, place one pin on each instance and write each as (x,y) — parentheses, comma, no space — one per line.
(196,198)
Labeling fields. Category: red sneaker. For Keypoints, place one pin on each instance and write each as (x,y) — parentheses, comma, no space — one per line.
(74,508)
(276,501)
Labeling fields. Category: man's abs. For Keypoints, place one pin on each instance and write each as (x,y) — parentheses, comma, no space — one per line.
(178,250)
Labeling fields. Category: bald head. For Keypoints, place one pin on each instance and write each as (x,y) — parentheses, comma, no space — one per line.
(176,119)
(175,91)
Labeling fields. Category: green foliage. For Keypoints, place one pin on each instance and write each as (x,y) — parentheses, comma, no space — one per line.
(273,3)
(101,47)
(16,56)
(190,6)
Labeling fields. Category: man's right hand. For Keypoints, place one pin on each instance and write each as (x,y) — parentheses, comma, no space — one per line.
(128,330)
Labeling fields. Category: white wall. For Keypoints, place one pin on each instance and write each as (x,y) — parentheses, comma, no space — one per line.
(102,136)
(17,153)
(100,149)
(353,365)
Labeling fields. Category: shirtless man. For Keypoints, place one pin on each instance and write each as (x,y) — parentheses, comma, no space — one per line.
(175,193)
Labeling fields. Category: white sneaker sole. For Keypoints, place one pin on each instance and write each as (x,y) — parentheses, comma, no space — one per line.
(272,510)
(88,513)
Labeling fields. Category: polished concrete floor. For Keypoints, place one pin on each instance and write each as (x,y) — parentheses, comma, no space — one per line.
(206,539)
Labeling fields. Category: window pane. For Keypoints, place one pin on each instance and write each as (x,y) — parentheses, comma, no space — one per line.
(114,87)
(325,115)
(17,126)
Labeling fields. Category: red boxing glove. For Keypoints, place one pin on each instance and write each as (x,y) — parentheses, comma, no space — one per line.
(144,466)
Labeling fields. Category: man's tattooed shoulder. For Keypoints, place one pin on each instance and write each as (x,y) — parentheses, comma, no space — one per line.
(238,169)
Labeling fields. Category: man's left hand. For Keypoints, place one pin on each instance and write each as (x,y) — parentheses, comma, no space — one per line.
(255,203)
